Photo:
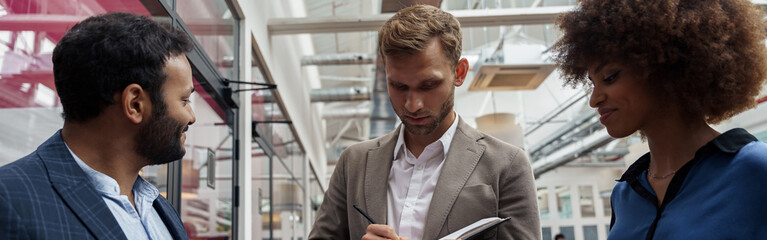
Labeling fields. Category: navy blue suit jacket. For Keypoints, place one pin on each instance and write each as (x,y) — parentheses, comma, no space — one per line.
(46,195)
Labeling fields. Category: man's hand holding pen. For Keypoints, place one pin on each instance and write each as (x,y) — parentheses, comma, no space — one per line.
(380,231)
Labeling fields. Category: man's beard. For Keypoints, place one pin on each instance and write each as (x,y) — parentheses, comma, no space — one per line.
(446,108)
(159,140)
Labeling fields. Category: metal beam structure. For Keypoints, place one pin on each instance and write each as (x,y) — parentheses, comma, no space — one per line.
(558,110)
(571,152)
(573,130)
(468,19)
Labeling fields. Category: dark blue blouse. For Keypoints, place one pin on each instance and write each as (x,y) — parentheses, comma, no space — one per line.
(720,194)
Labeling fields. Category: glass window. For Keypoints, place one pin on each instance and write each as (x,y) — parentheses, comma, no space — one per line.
(287,205)
(564,205)
(543,203)
(606,207)
(213,25)
(568,232)
(288,191)
(586,201)
(261,192)
(282,208)
(29,103)
(554,3)
(546,233)
(261,103)
(315,196)
(170,3)
(287,148)
(590,233)
(206,200)
(157,175)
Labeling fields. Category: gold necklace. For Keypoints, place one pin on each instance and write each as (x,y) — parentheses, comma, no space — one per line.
(660,177)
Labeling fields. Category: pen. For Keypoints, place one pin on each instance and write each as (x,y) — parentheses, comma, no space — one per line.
(364,214)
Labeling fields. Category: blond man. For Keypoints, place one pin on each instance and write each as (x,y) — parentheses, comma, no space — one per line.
(434,174)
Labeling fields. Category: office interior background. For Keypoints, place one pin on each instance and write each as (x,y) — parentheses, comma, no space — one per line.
(260,155)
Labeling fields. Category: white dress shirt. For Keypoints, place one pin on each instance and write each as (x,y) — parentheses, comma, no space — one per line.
(412,182)
(139,223)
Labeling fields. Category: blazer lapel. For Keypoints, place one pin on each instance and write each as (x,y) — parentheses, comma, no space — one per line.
(71,183)
(170,217)
(462,158)
(377,168)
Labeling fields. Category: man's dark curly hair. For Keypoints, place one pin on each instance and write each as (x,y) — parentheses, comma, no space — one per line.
(102,55)
(706,56)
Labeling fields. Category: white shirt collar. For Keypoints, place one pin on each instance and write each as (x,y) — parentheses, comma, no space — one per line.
(445,139)
(108,185)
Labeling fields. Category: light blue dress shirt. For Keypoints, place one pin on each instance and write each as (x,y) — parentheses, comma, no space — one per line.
(138,223)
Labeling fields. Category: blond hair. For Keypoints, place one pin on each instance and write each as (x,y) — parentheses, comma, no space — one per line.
(409,31)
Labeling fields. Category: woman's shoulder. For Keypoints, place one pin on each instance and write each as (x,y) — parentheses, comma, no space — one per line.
(752,158)
(753,151)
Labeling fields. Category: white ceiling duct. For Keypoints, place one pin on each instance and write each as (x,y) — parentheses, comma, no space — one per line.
(340,94)
(346,113)
(338,59)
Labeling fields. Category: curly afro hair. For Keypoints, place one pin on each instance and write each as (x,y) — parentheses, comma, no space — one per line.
(706,56)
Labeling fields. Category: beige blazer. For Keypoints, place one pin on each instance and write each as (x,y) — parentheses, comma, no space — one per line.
(481,177)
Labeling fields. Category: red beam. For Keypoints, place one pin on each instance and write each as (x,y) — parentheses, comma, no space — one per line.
(39,22)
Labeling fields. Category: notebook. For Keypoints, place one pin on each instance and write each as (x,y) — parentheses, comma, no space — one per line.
(475,229)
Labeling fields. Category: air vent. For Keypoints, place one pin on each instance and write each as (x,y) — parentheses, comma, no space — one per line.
(511,80)
(510,77)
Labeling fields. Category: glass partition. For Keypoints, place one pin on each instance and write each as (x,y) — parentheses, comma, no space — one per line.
(287,205)
(316,195)
(32,112)
(206,175)
(281,196)
(261,192)
(29,104)
(213,26)
(262,102)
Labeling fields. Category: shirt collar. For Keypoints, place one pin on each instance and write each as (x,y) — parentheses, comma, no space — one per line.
(729,142)
(108,186)
(445,139)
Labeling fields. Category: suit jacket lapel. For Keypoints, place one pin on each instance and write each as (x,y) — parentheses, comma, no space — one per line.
(170,217)
(462,157)
(377,168)
(71,183)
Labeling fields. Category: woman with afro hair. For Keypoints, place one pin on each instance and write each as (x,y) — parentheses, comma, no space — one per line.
(668,69)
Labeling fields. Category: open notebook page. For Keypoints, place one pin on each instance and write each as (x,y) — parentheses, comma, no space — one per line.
(482,223)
